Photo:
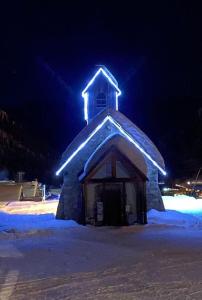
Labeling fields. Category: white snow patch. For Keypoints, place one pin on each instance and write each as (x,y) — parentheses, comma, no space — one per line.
(181,210)
(135,262)
(184,204)
(30,207)
(31,216)
(170,217)
(17,222)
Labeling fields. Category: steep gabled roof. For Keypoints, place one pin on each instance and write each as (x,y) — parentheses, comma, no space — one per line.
(129,130)
(104,71)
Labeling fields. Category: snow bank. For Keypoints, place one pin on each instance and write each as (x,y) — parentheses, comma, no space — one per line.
(183,203)
(30,207)
(175,218)
(181,210)
(28,216)
(17,222)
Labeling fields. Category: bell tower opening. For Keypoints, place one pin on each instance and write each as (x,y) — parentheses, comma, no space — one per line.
(100,93)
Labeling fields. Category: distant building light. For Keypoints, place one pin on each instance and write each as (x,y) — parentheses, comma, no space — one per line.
(169,189)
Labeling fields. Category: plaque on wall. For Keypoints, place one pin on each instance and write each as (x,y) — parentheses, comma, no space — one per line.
(127,208)
(99,211)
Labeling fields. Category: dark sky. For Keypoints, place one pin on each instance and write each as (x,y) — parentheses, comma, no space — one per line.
(49,50)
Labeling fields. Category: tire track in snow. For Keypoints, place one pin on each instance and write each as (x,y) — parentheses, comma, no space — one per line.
(117,284)
(8,287)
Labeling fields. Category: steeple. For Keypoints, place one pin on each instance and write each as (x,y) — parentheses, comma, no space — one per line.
(100,93)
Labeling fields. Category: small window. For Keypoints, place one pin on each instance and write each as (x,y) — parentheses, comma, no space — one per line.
(101,100)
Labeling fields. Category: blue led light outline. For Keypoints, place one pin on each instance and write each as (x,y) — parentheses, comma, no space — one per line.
(85,94)
(123,131)
(117,102)
(86,107)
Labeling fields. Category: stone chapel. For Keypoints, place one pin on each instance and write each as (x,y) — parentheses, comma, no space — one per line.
(111,168)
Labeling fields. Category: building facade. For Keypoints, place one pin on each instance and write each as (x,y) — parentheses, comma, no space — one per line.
(111,168)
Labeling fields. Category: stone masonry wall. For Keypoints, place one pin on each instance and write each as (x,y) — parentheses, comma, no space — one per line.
(153,194)
(70,204)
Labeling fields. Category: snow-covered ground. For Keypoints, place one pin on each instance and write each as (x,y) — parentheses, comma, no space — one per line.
(31,216)
(30,207)
(162,260)
(180,211)
(183,204)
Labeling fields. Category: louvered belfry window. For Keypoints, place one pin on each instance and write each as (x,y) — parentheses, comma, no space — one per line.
(101,100)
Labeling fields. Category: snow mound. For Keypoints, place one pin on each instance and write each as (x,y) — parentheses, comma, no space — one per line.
(175,218)
(183,203)
(17,222)
(30,207)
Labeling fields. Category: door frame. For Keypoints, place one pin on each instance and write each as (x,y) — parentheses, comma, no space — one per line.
(139,179)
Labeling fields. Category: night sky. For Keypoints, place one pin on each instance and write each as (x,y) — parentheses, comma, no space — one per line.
(49,50)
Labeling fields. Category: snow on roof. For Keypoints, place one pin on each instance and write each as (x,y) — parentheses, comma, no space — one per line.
(146,146)
(124,147)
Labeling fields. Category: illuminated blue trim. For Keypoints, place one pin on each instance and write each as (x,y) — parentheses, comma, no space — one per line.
(135,144)
(94,77)
(99,147)
(84,92)
(118,126)
(117,102)
(86,107)
(82,145)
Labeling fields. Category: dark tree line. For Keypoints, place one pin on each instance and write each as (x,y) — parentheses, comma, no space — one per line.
(17,154)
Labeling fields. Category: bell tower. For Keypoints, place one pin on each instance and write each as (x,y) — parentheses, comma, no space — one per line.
(101,92)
